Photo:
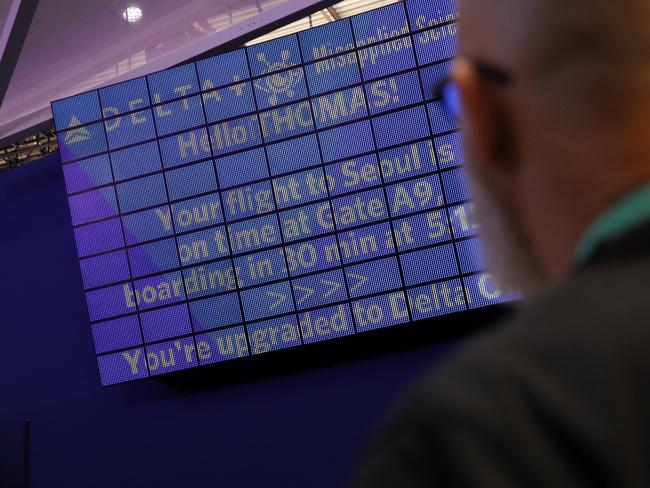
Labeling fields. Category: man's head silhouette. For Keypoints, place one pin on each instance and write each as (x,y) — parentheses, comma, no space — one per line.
(555,102)
(565,137)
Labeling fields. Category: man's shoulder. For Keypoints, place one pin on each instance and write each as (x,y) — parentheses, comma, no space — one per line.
(597,322)
(569,361)
(564,379)
(599,313)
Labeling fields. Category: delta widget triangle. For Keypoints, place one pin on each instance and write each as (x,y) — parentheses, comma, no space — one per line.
(76,135)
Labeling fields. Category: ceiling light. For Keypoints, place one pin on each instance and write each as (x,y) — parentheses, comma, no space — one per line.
(132,14)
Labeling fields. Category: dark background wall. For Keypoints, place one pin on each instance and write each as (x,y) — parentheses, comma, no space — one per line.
(296,418)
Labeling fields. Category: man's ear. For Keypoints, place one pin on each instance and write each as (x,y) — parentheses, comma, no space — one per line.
(476,115)
(487,135)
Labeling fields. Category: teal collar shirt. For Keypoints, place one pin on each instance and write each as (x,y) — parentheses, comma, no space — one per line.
(629,212)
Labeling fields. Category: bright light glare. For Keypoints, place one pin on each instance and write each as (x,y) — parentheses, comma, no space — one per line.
(132,14)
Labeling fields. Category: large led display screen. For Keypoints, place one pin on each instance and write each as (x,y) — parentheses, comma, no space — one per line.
(300,190)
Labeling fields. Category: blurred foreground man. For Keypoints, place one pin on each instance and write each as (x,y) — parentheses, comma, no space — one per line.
(555,99)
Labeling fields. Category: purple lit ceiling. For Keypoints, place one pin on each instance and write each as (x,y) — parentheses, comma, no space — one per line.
(77,45)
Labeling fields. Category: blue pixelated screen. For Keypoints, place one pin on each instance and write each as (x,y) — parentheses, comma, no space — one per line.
(296,191)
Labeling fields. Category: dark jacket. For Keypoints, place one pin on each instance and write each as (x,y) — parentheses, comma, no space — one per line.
(558,396)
